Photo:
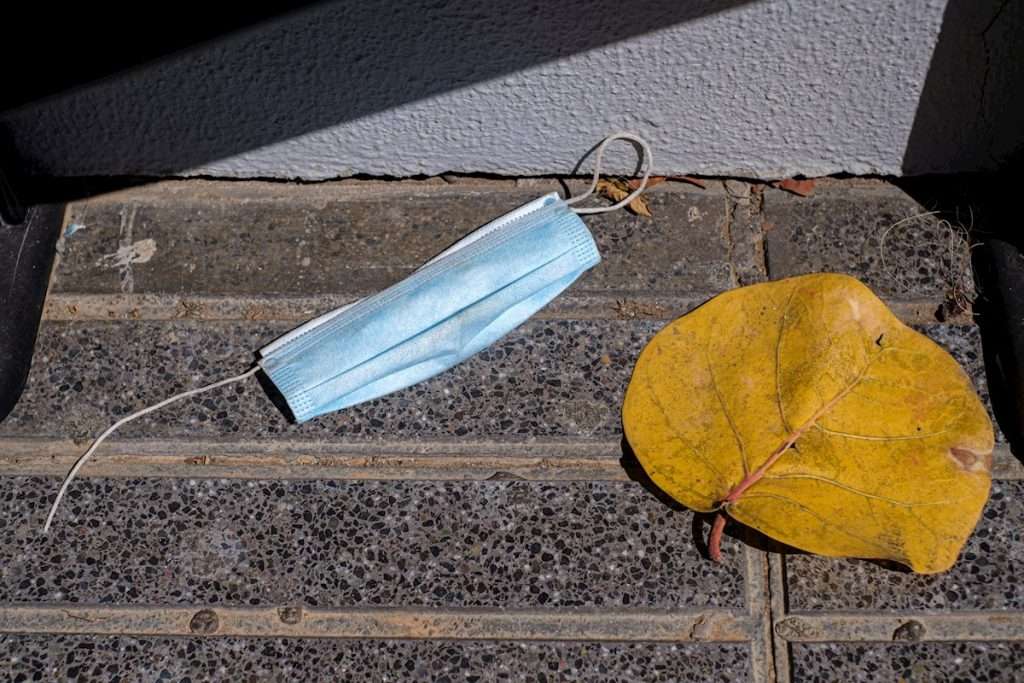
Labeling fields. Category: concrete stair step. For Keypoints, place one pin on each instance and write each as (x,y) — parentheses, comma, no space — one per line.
(965,661)
(557,381)
(250,250)
(265,659)
(483,525)
(507,544)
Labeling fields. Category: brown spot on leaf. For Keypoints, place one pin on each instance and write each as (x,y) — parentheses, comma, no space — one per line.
(971,461)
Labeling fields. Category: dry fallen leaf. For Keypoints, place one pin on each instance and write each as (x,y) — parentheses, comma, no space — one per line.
(659,179)
(802,188)
(634,183)
(690,179)
(617,190)
(805,409)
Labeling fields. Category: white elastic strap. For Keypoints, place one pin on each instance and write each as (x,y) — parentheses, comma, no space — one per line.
(648,160)
(110,430)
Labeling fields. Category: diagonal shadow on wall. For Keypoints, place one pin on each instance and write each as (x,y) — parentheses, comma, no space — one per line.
(315,68)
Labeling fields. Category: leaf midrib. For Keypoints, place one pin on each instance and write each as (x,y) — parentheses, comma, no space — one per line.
(755,476)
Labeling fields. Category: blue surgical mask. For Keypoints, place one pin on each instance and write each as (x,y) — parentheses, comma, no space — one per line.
(455,305)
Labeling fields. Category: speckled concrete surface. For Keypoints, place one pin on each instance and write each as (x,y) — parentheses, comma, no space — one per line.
(501,543)
(486,545)
(357,246)
(546,379)
(924,662)
(85,658)
(985,577)
(841,230)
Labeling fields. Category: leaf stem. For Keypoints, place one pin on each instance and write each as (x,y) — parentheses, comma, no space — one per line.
(715,539)
(757,474)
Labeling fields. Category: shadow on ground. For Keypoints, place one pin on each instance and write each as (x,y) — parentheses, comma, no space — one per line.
(985,204)
(733,529)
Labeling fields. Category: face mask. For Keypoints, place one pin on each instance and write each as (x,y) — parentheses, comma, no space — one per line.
(455,305)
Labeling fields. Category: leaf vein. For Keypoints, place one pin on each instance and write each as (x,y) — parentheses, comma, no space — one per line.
(724,407)
(677,436)
(880,437)
(778,359)
(824,522)
(860,492)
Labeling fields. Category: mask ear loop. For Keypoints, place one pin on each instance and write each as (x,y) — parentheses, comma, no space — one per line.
(647,158)
(124,420)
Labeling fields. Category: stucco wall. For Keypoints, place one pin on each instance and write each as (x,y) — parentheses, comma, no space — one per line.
(765,88)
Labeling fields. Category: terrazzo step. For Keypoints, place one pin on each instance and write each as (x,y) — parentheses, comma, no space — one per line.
(546,379)
(377,519)
(550,389)
(496,544)
(508,545)
(967,661)
(244,250)
(90,658)
(255,249)
(875,231)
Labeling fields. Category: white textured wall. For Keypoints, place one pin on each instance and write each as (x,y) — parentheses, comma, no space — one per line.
(768,88)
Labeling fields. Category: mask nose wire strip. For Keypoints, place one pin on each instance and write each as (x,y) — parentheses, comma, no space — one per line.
(648,160)
(110,430)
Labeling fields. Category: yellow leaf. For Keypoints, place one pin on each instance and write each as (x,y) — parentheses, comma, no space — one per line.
(617,190)
(805,409)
